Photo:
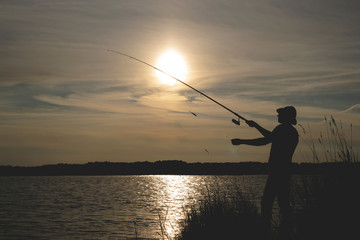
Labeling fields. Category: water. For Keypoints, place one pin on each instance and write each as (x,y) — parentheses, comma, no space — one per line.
(106,207)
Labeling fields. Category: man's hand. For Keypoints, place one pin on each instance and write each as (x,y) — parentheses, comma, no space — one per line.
(236,141)
(252,123)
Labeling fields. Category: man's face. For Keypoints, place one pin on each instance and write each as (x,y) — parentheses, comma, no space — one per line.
(280,118)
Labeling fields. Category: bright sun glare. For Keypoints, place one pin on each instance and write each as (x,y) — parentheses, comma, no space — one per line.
(172,63)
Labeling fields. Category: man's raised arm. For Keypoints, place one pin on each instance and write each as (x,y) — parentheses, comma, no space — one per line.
(263,131)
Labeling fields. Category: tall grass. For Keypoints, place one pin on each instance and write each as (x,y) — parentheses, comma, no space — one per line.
(224,216)
(329,204)
(333,145)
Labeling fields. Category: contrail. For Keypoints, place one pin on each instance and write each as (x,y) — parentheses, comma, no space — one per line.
(136,59)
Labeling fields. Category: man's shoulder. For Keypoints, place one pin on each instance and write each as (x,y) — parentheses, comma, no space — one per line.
(285,128)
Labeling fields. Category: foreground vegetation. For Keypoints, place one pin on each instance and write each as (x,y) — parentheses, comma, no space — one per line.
(325,206)
(223,216)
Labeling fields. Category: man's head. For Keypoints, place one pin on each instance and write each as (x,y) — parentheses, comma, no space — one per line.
(287,115)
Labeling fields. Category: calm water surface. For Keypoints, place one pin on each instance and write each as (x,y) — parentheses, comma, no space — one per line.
(106,207)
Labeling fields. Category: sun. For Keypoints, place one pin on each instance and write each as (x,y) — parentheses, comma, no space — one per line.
(172,63)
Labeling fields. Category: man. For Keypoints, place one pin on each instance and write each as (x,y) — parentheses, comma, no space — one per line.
(284,139)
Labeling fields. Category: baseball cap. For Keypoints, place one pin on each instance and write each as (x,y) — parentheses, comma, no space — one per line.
(289,112)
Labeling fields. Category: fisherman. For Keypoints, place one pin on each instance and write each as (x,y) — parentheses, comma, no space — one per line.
(284,139)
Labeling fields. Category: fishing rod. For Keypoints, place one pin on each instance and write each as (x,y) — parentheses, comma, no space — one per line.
(136,59)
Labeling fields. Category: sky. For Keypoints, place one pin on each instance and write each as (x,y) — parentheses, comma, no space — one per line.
(65,99)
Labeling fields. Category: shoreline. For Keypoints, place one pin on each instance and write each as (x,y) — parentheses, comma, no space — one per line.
(173,167)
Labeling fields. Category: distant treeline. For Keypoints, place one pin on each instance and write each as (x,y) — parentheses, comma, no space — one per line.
(171,167)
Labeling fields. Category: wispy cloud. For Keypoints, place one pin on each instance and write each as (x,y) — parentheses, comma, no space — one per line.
(353,109)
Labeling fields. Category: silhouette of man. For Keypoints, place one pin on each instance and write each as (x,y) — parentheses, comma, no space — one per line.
(284,139)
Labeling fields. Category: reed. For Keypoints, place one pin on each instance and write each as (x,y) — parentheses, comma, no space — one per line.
(328,204)
(222,215)
(332,145)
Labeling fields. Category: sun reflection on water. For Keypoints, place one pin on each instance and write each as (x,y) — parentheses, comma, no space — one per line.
(162,201)
(177,195)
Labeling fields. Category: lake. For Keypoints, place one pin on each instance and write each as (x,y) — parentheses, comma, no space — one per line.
(107,207)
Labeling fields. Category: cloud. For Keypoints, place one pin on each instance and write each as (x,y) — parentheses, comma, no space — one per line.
(353,109)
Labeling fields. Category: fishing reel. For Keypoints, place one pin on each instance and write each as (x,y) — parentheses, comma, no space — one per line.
(237,122)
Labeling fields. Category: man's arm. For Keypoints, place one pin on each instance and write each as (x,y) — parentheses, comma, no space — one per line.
(252,142)
(263,131)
